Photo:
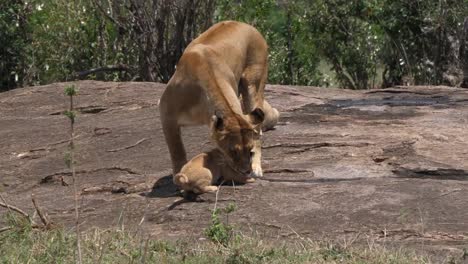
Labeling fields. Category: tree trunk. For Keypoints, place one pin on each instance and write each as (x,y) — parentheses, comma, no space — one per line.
(289,36)
(464,54)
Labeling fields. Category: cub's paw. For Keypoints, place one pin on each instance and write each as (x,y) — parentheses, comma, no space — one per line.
(209,189)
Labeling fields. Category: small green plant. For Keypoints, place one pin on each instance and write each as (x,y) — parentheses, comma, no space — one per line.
(71,91)
(218,231)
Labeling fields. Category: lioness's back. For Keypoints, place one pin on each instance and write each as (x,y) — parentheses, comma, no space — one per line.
(228,31)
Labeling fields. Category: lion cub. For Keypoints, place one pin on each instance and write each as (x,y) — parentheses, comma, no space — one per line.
(203,171)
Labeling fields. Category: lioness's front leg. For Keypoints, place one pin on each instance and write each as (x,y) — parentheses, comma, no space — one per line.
(174,142)
(251,88)
(257,157)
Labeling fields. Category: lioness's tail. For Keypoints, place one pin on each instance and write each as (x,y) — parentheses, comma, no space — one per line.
(180,179)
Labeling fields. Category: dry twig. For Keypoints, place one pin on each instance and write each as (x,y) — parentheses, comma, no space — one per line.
(127,147)
(16,209)
(3,229)
(216,198)
(42,216)
(45,221)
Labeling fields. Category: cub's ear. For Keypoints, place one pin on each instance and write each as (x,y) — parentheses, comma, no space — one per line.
(257,116)
(218,120)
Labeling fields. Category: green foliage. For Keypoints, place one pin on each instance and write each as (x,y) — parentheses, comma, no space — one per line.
(412,42)
(70,90)
(293,57)
(68,160)
(231,207)
(218,231)
(71,114)
(13,43)
(347,41)
(68,38)
(420,38)
(353,44)
(335,253)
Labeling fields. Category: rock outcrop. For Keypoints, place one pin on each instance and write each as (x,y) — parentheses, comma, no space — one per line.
(387,166)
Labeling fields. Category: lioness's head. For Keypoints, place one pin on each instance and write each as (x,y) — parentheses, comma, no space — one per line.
(235,137)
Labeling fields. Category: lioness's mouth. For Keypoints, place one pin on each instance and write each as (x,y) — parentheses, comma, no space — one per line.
(237,170)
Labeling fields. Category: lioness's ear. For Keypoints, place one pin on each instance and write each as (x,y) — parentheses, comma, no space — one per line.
(257,116)
(218,120)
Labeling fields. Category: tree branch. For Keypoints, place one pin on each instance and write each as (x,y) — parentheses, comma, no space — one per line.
(110,17)
(108,68)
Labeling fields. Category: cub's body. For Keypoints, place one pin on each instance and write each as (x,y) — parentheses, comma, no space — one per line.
(204,171)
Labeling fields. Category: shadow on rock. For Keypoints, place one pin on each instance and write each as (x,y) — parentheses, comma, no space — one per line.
(436,174)
(164,187)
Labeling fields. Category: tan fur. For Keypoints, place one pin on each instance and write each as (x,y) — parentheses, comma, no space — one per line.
(227,61)
(201,173)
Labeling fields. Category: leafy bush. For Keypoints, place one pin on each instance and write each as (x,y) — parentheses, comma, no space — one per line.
(353,44)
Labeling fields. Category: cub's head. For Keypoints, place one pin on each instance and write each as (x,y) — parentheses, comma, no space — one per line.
(235,137)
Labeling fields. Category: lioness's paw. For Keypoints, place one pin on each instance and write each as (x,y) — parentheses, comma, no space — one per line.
(250,180)
(257,172)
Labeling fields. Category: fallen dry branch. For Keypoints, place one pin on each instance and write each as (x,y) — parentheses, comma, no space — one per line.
(286,170)
(47,178)
(3,229)
(46,222)
(317,145)
(96,189)
(295,145)
(17,210)
(397,91)
(49,146)
(127,170)
(42,216)
(404,233)
(131,188)
(127,147)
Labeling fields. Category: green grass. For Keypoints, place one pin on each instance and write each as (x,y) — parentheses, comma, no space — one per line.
(22,244)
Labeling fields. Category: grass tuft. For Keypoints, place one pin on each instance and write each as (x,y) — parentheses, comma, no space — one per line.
(23,244)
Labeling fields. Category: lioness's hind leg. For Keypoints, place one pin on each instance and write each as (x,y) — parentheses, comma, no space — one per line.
(252,86)
(271,116)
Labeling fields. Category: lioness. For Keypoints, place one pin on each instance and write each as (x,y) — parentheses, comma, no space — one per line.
(202,172)
(226,62)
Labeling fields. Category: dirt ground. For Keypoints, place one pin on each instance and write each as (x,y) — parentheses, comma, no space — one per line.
(379,166)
